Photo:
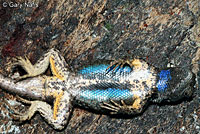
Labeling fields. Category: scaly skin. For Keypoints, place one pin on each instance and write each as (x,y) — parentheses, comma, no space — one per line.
(123,87)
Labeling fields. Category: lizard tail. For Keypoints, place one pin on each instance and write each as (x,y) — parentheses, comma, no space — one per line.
(30,88)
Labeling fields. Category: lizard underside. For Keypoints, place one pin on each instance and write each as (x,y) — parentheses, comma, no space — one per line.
(120,87)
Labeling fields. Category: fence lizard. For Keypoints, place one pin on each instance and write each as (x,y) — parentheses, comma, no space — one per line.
(122,87)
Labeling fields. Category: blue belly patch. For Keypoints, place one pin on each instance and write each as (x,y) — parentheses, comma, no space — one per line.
(106,94)
(94,69)
(164,77)
(101,68)
(100,72)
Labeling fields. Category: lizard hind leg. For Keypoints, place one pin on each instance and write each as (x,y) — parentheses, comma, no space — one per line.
(52,57)
(23,116)
(62,114)
(32,70)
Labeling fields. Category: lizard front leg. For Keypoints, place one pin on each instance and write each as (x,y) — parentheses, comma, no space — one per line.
(119,64)
(52,57)
(122,108)
(57,118)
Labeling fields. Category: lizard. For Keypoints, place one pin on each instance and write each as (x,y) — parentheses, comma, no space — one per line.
(119,87)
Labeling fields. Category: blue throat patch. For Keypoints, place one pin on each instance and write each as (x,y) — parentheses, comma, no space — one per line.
(164,77)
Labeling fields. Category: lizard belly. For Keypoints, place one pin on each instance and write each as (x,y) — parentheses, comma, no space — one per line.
(146,75)
(130,84)
(95,98)
(100,72)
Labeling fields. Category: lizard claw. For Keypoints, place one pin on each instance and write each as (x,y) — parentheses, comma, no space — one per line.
(24,100)
(17,60)
(114,107)
(25,64)
(16,115)
(110,107)
(117,64)
(114,66)
(19,78)
(118,108)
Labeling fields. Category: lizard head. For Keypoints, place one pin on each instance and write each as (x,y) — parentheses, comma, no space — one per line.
(174,84)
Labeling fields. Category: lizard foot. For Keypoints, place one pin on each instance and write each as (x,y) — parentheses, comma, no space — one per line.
(117,108)
(20,61)
(26,65)
(35,106)
(120,64)
(117,64)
